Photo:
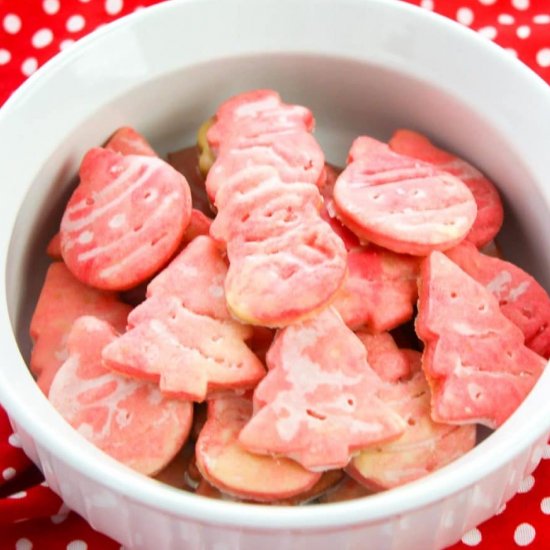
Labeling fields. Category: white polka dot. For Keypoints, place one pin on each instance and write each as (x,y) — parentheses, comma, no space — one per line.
(465,16)
(472,538)
(23,544)
(524,534)
(112,7)
(50,6)
(14,441)
(488,32)
(75,23)
(520,4)
(42,38)
(84,1)
(523,31)
(20,494)
(543,59)
(29,66)
(9,473)
(5,56)
(545,505)
(77,545)
(541,19)
(506,19)
(487,2)
(511,51)
(526,485)
(65,43)
(12,23)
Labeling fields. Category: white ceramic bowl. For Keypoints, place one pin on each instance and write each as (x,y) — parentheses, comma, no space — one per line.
(363,67)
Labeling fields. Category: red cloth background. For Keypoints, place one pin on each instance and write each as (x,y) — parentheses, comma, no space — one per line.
(33,31)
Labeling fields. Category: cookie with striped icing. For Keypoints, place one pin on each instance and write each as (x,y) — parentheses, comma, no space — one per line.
(124,220)
(128,419)
(490,212)
(400,203)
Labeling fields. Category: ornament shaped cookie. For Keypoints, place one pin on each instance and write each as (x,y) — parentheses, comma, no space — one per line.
(490,213)
(124,220)
(402,204)
(128,419)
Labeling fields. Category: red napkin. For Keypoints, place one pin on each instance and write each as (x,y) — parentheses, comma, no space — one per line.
(31,32)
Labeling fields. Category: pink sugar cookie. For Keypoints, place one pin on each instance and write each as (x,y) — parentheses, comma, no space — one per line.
(128,419)
(402,204)
(224,462)
(182,336)
(278,246)
(521,298)
(425,446)
(474,358)
(62,300)
(253,113)
(124,220)
(264,183)
(125,141)
(318,403)
(380,290)
(490,212)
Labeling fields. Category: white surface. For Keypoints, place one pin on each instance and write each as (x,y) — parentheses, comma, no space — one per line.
(363,67)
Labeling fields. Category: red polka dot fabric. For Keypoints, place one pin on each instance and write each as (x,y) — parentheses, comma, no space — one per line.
(33,31)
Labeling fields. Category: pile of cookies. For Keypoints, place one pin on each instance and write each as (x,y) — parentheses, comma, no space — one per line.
(313,333)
